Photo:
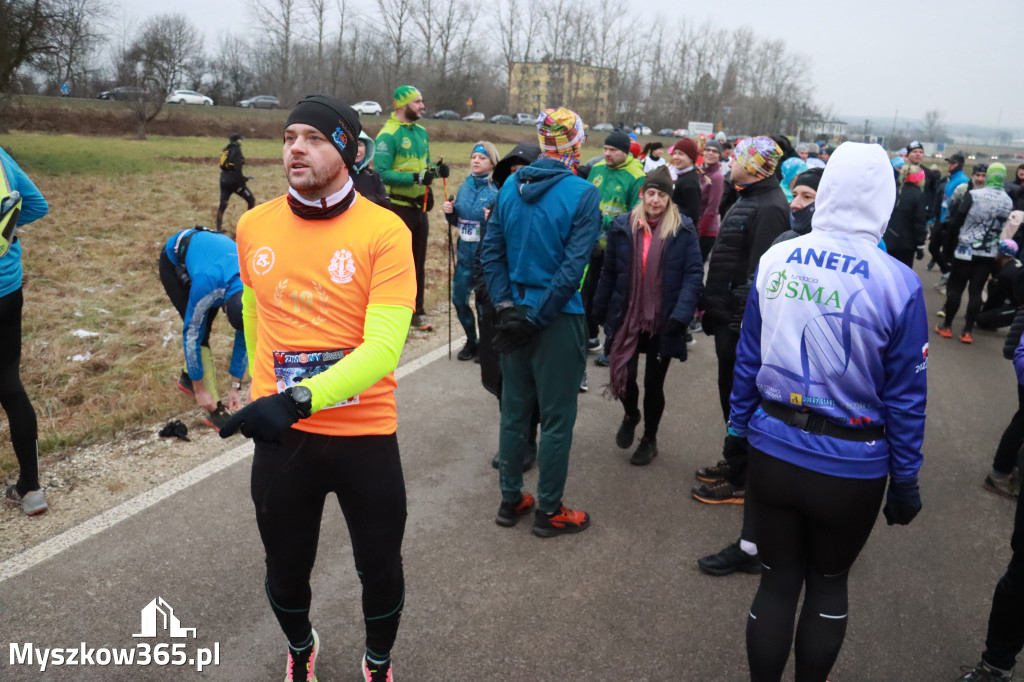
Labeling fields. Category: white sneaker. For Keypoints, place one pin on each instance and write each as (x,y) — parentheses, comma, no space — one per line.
(33,502)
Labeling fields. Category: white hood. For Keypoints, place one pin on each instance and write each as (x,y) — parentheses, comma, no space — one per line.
(857,192)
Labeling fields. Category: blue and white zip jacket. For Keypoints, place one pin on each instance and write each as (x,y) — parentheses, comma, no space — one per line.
(476,194)
(33,207)
(837,326)
(212,264)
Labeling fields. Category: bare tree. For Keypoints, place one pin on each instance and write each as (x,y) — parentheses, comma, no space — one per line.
(76,36)
(933,129)
(278,21)
(396,17)
(25,27)
(318,15)
(232,70)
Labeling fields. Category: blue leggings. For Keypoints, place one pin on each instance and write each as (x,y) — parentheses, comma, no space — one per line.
(462,285)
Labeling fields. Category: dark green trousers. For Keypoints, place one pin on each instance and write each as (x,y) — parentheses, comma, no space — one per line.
(546,372)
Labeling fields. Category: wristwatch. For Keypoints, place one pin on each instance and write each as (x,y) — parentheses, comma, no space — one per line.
(303,397)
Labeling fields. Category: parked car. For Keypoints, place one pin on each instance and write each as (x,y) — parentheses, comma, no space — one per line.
(447,115)
(525,119)
(123,93)
(503,119)
(642,130)
(368,108)
(603,127)
(475,116)
(665,132)
(681,132)
(260,102)
(188,97)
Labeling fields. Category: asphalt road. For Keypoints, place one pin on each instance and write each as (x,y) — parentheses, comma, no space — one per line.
(622,601)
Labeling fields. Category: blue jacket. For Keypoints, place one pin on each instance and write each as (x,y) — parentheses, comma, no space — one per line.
(476,194)
(952,182)
(836,326)
(539,239)
(212,263)
(682,278)
(33,207)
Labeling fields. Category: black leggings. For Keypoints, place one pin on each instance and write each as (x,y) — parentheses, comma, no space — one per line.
(1012,439)
(227,189)
(973,274)
(809,528)
(1005,637)
(290,483)
(416,220)
(654,385)
(706,244)
(178,293)
(21,417)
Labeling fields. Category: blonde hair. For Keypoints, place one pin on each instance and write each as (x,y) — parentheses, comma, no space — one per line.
(670,222)
(492,152)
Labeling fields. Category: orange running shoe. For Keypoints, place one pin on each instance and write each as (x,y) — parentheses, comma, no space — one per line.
(966,338)
(565,520)
(944,332)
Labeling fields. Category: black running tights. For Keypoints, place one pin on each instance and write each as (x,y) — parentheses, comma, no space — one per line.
(21,417)
(655,370)
(971,274)
(1005,637)
(290,483)
(809,528)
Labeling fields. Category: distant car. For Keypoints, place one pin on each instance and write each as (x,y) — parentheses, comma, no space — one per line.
(603,127)
(188,97)
(665,132)
(525,119)
(260,102)
(475,116)
(642,130)
(503,119)
(447,115)
(123,93)
(368,108)
(681,132)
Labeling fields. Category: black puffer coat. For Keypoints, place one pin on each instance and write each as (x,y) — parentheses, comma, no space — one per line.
(906,230)
(681,275)
(759,215)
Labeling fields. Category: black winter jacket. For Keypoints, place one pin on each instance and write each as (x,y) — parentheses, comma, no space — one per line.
(758,217)
(906,230)
(681,275)
(686,195)
(368,183)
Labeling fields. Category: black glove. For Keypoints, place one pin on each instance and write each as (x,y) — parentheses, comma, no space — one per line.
(902,502)
(443,171)
(920,253)
(265,419)
(427,177)
(707,324)
(734,447)
(673,328)
(512,330)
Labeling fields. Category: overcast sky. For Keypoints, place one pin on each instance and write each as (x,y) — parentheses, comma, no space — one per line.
(862,57)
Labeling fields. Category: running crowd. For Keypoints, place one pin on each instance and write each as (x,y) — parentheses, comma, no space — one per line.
(795,261)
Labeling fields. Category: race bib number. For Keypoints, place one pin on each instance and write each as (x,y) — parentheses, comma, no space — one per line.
(292,366)
(469,230)
(963,252)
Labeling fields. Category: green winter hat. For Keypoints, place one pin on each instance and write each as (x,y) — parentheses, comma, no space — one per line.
(995,176)
(404,94)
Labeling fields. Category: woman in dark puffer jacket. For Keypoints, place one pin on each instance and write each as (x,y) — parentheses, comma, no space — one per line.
(650,283)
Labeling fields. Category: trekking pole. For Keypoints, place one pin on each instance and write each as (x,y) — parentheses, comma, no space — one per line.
(450,288)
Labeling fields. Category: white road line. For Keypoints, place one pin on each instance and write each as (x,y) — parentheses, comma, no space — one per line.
(35,555)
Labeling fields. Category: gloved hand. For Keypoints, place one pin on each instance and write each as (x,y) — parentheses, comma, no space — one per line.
(443,171)
(673,328)
(734,447)
(920,253)
(902,502)
(512,330)
(265,419)
(707,324)
(427,176)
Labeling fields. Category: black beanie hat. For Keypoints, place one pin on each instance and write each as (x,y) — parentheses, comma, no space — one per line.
(809,178)
(235,138)
(660,179)
(524,153)
(619,140)
(335,119)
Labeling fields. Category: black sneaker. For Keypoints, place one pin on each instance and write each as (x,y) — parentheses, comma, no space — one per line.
(602,360)
(509,513)
(722,492)
(983,672)
(468,351)
(627,431)
(645,453)
(593,344)
(218,417)
(729,560)
(565,520)
(185,384)
(584,387)
(714,474)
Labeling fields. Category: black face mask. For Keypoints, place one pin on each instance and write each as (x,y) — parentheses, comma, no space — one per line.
(800,221)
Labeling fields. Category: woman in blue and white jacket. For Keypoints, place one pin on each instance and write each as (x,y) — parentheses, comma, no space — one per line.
(477,193)
(830,390)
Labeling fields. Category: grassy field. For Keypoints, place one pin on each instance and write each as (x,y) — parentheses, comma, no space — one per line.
(91,265)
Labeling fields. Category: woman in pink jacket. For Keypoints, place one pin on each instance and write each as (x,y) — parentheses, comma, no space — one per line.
(710,197)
